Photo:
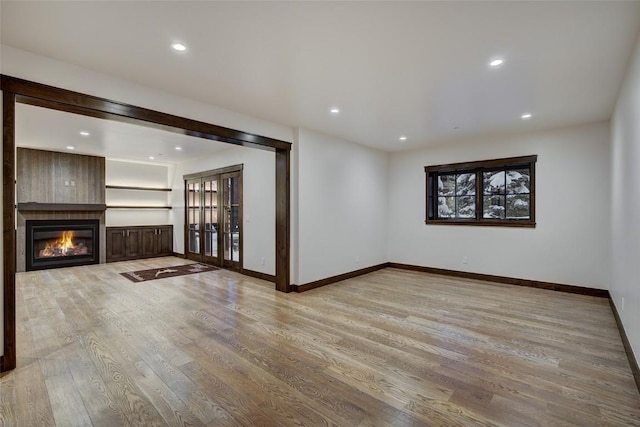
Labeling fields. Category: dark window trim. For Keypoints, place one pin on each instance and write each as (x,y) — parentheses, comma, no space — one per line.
(479,167)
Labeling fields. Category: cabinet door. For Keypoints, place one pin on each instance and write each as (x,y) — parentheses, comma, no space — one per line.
(165,241)
(134,242)
(149,241)
(116,247)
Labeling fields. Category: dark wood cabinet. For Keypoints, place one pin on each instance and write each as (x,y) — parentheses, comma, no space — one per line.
(126,243)
(157,241)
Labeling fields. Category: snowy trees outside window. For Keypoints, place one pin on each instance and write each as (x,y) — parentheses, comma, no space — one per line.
(491,192)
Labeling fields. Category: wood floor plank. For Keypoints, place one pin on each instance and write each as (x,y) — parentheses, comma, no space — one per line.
(394,347)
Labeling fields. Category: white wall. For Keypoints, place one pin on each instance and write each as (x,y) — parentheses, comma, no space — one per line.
(342,206)
(570,242)
(134,174)
(625,203)
(258,187)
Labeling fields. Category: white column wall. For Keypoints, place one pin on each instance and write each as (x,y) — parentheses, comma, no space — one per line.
(342,206)
(625,203)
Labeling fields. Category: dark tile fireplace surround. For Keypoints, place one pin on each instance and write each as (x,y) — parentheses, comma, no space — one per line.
(60,235)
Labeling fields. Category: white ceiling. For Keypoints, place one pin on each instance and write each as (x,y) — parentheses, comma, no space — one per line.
(418,69)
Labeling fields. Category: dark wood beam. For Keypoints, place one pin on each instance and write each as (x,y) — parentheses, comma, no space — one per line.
(8,360)
(42,95)
(283,210)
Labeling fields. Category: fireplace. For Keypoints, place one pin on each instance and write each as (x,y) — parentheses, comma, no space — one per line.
(61,243)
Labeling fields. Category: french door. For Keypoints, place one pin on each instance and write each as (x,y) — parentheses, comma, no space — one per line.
(213,217)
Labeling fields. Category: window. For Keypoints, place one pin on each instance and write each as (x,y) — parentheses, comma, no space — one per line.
(490,192)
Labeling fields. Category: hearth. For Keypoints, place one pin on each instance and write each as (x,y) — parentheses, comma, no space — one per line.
(61,243)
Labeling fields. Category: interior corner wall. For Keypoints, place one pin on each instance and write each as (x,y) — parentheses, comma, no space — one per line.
(570,243)
(258,189)
(294,214)
(625,203)
(342,206)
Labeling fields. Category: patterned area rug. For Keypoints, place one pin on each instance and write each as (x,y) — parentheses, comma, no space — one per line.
(163,273)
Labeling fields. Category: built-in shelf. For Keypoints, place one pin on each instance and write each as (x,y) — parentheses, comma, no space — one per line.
(134,188)
(124,187)
(137,207)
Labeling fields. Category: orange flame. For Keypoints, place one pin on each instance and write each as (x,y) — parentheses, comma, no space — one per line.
(66,241)
(63,244)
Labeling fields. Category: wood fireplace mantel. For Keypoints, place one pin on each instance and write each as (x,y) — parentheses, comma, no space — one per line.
(61,207)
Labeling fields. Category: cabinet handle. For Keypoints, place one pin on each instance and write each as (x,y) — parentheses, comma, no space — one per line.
(160,231)
(122,233)
(128,233)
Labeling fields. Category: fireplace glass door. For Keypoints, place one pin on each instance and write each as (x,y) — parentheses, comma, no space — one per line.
(61,243)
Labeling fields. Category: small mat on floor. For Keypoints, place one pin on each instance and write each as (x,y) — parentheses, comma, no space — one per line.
(163,273)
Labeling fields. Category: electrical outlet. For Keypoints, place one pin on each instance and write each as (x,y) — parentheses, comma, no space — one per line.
(357,259)
(465,260)
(73,183)
(262,261)
(622,304)
(66,183)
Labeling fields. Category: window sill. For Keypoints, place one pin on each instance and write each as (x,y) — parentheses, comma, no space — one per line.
(485,223)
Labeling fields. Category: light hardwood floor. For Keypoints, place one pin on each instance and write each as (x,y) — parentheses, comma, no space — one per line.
(390,348)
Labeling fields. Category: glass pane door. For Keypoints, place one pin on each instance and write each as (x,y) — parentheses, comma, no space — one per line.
(213,218)
(210,211)
(193,216)
(232,220)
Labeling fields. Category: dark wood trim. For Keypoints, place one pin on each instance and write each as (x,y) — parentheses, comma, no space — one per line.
(633,362)
(177,255)
(338,278)
(124,187)
(477,168)
(219,171)
(483,223)
(264,276)
(46,96)
(128,227)
(283,225)
(8,360)
(483,164)
(601,293)
(61,207)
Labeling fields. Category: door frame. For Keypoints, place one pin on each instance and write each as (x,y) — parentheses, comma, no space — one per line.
(220,174)
(24,91)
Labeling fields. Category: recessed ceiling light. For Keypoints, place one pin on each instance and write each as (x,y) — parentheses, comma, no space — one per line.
(496,62)
(70,147)
(403,138)
(178,148)
(525,116)
(334,111)
(84,133)
(179,47)
(151,157)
